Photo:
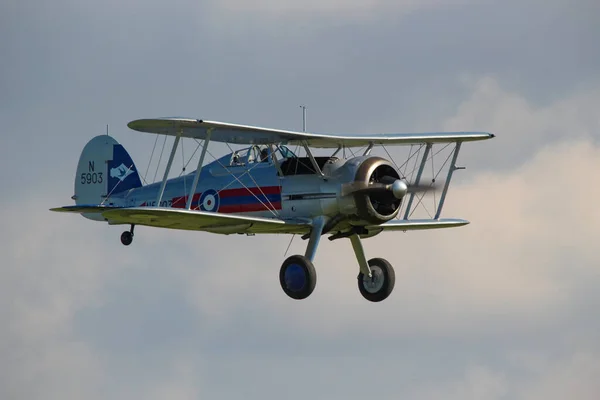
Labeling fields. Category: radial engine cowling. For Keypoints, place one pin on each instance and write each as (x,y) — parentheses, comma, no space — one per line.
(376,207)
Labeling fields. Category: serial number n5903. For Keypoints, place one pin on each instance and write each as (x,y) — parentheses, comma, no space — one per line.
(91,178)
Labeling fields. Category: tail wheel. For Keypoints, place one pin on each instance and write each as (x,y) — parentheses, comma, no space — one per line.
(297,277)
(381,283)
(126,238)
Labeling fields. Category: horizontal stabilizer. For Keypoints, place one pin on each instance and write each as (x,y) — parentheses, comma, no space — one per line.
(92,208)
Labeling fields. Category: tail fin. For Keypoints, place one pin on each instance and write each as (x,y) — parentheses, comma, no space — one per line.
(105,168)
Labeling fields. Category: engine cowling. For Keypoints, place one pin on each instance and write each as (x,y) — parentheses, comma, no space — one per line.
(381,206)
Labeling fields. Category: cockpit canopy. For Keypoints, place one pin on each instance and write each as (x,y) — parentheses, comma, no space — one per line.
(254,154)
(287,162)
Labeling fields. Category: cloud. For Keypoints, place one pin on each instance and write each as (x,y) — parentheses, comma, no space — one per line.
(524,258)
(522,127)
(332,8)
(478,382)
(526,377)
(573,376)
(45,283)
(502,307)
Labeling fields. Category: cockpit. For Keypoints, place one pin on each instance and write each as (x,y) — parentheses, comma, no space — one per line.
(281,156)
(262,154)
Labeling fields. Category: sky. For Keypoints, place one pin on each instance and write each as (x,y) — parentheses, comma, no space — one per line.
(504,308)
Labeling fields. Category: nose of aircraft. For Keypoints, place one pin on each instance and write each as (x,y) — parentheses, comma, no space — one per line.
(399,188)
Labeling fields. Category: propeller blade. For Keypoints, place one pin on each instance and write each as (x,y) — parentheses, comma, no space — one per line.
(387,186)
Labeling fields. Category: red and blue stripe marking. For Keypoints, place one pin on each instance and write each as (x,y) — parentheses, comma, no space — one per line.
(234,200)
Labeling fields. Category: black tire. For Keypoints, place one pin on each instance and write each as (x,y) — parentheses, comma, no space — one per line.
(126,238)
(374,290)
(297,277)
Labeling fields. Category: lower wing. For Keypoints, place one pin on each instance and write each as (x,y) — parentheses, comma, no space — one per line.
(190,220)
(416,224)
(227,223)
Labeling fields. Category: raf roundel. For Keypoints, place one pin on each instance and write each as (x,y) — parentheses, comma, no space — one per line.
(209,201)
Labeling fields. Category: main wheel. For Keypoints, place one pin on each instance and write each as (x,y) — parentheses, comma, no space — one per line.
(126,238)
(297,277)
(380,285)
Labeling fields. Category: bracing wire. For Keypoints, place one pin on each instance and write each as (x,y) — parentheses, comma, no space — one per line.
(420,199)
(391,158)
(412,173)
(418,151)
(191,157)
(113,189)
(289,244)
(160,158)
(183,165)
(433,180)
(405,165)
(150,161)
(272,210)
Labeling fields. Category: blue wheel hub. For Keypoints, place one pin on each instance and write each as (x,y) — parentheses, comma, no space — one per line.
(295,277)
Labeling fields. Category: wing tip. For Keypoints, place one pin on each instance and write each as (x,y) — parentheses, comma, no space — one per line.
(454,221)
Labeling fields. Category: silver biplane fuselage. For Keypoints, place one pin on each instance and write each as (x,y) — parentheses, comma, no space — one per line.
(242,183)
(266,188)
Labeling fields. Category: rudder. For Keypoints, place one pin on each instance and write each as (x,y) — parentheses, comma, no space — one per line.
(104,169)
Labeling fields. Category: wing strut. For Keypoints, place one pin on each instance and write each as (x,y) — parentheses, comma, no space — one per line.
(312,160)
(198,170)
(451,170)
(417,179)
(168,169)
(337,151)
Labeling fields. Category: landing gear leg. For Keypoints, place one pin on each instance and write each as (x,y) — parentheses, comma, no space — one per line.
(359,251)
(297,275)
(127,236)
(376,278)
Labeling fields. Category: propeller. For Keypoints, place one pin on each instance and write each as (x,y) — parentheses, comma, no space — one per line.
(387,184)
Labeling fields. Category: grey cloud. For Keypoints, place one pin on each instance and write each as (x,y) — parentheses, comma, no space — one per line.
(180,315)
(521,126)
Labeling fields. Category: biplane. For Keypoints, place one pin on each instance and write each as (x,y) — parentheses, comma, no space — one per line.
(266,188)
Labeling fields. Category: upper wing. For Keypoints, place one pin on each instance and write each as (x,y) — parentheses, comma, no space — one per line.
(243,134)
(417,224)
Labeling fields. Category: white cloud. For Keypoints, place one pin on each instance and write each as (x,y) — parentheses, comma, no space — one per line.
(525,267)
(45,283)
(523,262)
(523,128)
(520,263)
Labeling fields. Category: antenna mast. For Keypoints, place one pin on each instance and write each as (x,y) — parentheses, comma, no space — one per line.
(303,118)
